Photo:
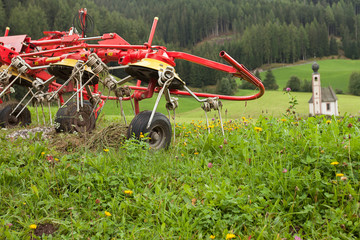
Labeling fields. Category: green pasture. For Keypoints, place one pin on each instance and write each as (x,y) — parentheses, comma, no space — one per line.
(266,178)
(272,103)
(333,72)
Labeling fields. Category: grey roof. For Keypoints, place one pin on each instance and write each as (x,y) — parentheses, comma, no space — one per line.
(327,95)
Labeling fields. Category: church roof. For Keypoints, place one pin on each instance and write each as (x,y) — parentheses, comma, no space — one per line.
(327,95)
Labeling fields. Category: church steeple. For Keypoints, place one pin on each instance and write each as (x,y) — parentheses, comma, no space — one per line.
(316,89)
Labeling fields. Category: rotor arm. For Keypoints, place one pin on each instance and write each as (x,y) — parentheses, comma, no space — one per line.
(237,70)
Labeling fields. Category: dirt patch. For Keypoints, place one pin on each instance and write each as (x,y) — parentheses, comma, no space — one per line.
(45,228)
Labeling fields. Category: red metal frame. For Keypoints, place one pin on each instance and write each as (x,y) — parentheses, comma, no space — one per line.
(60,45)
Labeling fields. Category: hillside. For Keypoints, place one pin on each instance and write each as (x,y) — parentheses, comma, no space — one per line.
(252,32)
(334,72)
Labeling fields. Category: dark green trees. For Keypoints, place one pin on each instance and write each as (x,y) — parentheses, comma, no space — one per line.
(269,81)
(354,83)
(294,83)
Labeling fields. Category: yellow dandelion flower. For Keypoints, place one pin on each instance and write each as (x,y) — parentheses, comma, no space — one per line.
(106,150)
(182,154)
(184,143)
(196,153)
(141,135)
(328,121)
(128,192)
(258,129)
(212,236)
(107,214)
(334,163)
(24,203)
(230,236)
(42,153)
(339,174)
(283,120)
(33,226)
(56,159)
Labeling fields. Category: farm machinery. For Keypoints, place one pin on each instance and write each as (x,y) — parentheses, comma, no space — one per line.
(64,67)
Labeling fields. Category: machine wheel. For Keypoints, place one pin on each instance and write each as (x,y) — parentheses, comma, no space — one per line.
(68,119)
(10,121)
(159,130)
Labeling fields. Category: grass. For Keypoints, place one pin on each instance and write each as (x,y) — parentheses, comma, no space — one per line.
(271,176)
(333,72)
(268,178)
(271,104)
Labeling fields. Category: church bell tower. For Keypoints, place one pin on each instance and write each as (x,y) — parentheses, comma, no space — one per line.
(316,89)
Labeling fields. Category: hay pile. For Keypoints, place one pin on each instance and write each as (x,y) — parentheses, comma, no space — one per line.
(112,136)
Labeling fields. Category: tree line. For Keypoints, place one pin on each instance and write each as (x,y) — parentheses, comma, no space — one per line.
(253,32)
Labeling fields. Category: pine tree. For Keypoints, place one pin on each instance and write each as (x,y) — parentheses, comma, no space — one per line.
(269,81)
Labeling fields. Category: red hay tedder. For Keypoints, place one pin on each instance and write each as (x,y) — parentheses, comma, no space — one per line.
(63,62)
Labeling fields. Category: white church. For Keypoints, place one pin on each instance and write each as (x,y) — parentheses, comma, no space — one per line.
(323,100)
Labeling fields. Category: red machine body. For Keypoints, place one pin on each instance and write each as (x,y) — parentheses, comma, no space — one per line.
(57,46)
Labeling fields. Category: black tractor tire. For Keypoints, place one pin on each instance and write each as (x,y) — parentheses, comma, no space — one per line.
(68,119)
(8,120)
(159,132)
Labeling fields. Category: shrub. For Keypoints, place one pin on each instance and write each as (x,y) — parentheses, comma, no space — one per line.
(226,86)
(269,81)
(306,86)
(354,83)
(294,83)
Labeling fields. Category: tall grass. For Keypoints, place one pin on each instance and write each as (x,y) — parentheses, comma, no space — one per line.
(269,178)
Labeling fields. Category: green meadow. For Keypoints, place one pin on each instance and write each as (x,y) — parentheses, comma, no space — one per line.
(271,175)
(333,72)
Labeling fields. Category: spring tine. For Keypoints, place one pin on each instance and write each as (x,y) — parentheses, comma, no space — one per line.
(77,96)
(132,105)
(168,114)
(67,81)
(165,86)
(37,114)
(49,80)
(122,110)
(43,113)
(207,122)
(221,122)
(77,91)
(50,113)
(93,109)
(103,104)
(20,102)
(33,95)
(174,127)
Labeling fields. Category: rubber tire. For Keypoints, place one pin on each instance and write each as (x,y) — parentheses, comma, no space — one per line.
(69,120)
(7,121)
(159,130)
